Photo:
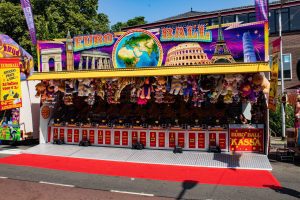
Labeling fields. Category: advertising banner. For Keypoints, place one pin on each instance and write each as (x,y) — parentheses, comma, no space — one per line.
(107,137)
(192,140)
(174,45)
(9,132)
(247,138)
(10,49)
(143,138)
(10,84)
(152,139)
(261,7)
(26,6)
(276,60)
(134,137)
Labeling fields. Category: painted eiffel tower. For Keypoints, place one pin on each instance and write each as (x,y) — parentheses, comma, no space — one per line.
(222,54)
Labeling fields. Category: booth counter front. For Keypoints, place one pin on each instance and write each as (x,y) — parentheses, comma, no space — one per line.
(236,138)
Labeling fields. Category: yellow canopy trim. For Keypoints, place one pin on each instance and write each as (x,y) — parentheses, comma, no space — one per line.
(230,68)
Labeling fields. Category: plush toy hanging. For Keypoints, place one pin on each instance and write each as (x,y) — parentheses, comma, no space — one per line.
(187,88)
(100,88)
(68,99)
(122,83)
(146,90)
(176,85)
(160,89)
(90,100)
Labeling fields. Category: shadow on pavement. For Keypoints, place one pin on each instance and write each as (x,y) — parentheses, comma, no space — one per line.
(232,161)
(186,185)
(284,190)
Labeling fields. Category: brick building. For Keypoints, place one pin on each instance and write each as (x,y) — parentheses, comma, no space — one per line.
(291,29)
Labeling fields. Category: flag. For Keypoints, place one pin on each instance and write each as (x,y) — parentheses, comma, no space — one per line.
(274,73)
(26,6)
(261,7)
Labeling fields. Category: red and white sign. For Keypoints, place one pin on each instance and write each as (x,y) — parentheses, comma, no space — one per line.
(152,139)
(192,140)
(125,138)
(181,138)
(108,137)
(161,139)
(117,138)
(247,139)
(201,140)
(70,136)
(100,136)
(76,136)
(92,136)
(172,139)
(143,138)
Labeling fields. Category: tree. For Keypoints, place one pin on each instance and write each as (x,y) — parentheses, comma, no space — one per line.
(276,118)
(131,22)
(52,19)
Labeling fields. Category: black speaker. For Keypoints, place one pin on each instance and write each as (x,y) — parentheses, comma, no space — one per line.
(58,141)
(215,149)
(84,143)
(138,146)
(177,149)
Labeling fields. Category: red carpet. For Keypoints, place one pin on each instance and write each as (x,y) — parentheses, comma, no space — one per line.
(202,175)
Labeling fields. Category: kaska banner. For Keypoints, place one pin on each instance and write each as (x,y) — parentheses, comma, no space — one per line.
(261,7)
(26,6)
(274,73)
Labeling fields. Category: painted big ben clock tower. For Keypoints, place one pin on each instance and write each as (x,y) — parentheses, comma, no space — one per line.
(69,52)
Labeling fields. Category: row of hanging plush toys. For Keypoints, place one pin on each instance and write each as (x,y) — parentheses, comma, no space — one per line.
(195,88)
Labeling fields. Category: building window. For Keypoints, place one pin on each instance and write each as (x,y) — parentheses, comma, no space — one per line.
(285,19)
(294,18)
(252,17)
(228,19)
(214,21)
(242,18)
(204,22)
(287,66)
(272,23)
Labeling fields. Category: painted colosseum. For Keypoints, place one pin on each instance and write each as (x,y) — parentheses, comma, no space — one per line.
(190,53)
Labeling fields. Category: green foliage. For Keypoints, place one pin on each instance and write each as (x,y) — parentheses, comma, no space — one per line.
(276,118)
(131,22)
(52,19)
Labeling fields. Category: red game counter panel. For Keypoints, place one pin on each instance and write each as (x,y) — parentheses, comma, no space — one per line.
(247,138)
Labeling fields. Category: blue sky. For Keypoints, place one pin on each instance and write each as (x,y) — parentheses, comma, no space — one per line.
(153,10)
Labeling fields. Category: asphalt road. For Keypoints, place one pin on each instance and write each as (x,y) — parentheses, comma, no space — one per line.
(86,184)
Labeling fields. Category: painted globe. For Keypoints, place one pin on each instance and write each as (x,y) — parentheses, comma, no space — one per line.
(137,48)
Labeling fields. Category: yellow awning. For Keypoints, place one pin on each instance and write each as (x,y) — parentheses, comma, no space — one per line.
(230,68)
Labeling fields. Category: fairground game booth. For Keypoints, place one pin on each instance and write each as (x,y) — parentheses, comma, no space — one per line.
(195,87)
(15,65)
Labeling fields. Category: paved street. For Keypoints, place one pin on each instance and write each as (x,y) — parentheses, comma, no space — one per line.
(87,186)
